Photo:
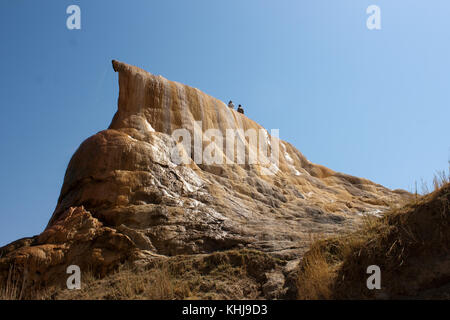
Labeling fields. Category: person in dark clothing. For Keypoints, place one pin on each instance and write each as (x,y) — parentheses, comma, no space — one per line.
(240,109)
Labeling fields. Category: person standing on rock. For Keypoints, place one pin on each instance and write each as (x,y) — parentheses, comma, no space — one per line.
(240,109)
(230,104)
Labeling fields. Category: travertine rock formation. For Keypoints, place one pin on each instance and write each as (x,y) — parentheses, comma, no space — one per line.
(132,201)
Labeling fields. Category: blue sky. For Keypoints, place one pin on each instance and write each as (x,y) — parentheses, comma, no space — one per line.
(373,104)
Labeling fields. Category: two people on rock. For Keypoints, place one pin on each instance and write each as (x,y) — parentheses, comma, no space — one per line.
(239,109)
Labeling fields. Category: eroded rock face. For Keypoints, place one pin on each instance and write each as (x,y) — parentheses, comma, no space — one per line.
(130,196)
(74,238)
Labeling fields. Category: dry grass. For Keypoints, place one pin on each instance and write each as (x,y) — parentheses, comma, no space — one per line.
(12,289)
(317,276)
(440,179)
(156,285)
(410,244)
(235,274)
(320,266)
(129,283)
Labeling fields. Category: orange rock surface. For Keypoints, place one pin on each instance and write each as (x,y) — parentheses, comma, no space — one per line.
(124,197)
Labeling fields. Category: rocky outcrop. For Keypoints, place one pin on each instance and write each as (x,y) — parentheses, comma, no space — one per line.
(125,197)
(75,238)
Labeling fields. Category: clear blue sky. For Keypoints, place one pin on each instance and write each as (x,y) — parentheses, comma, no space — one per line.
(373,104)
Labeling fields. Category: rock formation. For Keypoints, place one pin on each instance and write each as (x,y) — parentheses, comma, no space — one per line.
(125,198)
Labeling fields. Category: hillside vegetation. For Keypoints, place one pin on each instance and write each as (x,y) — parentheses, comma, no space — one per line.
(410,244)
